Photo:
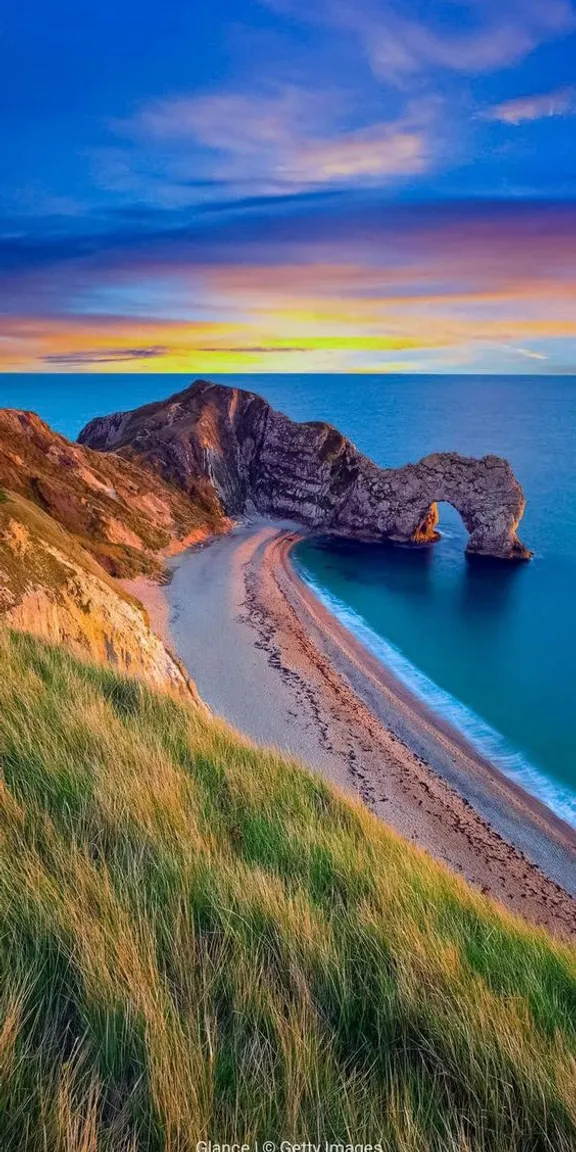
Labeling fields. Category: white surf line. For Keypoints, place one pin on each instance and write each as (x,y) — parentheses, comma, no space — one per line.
(485,739)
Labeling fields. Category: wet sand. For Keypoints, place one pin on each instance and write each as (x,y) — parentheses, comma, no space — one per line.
(268,657)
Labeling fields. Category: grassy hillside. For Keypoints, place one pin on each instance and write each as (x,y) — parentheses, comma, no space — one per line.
(200,940)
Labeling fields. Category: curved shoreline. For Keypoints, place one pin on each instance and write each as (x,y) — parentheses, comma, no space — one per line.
(403,695)
(270,658)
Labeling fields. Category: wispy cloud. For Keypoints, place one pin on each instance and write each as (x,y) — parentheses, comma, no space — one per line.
(285,138)
(529,353)
(486,34)
(345,288)
(103,356)
(562,102)
(288,127)
(382,150)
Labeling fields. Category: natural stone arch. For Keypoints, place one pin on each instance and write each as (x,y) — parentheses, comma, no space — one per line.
(430,528)
(257,459)
(400,504)
(484,492)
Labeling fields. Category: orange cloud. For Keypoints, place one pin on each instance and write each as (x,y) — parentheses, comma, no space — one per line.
(272,327)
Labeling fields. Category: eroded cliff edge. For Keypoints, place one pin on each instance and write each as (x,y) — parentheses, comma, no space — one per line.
(70,521)
(52,588)
(126,517)
(258,460)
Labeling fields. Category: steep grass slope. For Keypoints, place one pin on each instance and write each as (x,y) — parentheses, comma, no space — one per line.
(199,940)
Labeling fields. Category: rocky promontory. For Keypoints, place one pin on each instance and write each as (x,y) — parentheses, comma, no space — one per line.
(259,461)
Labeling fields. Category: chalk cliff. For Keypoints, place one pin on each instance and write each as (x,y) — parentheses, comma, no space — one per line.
(258,460)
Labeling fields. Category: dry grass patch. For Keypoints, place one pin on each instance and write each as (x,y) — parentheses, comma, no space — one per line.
(200,940)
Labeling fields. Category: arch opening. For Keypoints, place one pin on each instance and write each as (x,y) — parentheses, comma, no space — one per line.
(442,516)
(497,539)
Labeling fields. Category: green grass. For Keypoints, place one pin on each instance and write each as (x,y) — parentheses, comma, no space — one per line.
(199,940)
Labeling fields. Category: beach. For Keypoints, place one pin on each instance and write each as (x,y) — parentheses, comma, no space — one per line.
(269,658)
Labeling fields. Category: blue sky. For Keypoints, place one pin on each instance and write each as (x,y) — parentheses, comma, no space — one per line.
(288,186)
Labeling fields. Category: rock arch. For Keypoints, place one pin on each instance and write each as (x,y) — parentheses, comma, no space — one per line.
(487,496)
(257,459)
(484,492)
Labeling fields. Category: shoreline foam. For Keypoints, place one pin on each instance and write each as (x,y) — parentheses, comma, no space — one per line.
(487,741)
(270,658)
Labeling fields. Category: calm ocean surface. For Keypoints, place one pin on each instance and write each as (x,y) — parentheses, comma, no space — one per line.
(493,649)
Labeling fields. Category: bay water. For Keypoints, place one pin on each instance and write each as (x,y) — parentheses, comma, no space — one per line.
(492,648)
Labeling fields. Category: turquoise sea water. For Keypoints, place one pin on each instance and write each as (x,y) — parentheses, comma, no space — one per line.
(492,648)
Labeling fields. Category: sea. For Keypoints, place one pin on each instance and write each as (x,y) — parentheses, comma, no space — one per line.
(492,648)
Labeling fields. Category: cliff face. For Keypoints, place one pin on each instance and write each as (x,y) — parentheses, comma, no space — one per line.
(258,460)
(124,515)
(51,587)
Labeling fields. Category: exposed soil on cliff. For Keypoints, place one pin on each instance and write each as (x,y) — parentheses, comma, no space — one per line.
(123,514)
(51,587)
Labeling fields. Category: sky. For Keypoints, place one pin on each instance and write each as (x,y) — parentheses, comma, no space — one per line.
(288,186)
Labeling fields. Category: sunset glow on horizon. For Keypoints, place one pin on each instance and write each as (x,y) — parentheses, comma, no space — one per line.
(275,187)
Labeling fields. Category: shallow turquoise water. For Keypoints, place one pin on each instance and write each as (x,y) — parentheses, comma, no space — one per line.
(491,647)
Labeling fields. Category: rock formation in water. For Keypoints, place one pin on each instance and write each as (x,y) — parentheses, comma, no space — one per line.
(259,460)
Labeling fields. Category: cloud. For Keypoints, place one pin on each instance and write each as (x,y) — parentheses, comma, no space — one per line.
(227,122)
(354,244)
(483,36)
(103,356)
(251,349)
(371,98)
(528,108)
(287,138)
(379,151)
(304,288)
(529,353)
